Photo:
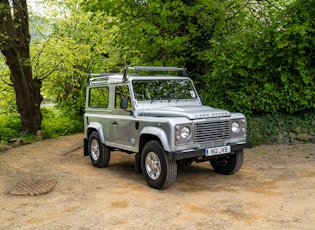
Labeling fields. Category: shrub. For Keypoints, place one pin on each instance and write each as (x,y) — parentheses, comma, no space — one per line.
(56,123)
(267,67)
(7,133)
(267,128)
(10,126)
(11,121)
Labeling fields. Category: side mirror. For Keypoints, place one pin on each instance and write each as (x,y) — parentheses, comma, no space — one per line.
(124,103)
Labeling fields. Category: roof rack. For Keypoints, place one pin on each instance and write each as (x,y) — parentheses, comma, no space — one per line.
(100,77)
(154,68)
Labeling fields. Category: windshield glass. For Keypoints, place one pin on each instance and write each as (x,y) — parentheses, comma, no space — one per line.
(163,89)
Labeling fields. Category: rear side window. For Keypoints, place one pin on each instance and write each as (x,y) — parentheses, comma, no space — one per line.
(99,97)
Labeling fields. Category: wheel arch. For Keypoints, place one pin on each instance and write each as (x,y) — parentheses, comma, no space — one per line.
(153,133)
(94,126)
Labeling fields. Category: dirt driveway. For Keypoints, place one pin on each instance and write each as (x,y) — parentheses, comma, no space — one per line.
(275,189)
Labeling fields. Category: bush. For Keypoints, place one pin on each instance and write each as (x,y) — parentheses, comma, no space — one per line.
(7,133)
(56,123)
(12,121)
(268,67)
(268,128)
(10,126)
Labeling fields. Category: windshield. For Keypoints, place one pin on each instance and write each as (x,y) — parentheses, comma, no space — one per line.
(163,89)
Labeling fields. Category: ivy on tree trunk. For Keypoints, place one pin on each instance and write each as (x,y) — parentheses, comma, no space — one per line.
(15,46)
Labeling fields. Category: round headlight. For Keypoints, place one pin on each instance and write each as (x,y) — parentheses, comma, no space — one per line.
(185,132)
(235,127)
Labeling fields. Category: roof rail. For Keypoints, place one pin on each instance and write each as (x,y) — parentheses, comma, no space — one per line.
(105,76)
(154,68)
(101,76)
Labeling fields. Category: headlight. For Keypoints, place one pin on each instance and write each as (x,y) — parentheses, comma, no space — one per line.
(235,127)
(185,132)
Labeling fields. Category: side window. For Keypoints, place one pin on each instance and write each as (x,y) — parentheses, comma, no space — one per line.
(122,91)
(99,97)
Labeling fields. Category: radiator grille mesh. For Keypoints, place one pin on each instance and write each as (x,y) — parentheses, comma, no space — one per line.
(212,131)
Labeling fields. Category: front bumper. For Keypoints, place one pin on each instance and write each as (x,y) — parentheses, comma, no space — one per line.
(200,153)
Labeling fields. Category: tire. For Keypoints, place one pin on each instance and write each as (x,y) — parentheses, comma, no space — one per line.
(229,164)
(99,153)
(158,169)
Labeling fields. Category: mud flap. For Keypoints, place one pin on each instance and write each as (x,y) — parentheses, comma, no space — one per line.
(85,146)
(138,163)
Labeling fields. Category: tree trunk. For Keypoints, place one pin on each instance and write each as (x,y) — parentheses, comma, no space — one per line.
(14,45)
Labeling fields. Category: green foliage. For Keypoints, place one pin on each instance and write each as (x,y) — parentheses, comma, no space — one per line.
(268,66)
(256,57)
(170,33)
(11,121)
(10,126)
(6,134)
(58,123)
(266,128)
(55,123)
(67,50)
(249,57)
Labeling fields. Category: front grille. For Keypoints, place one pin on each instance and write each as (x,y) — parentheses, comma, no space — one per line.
(212,131)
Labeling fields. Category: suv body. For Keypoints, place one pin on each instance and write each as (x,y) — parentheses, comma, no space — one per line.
(161,119)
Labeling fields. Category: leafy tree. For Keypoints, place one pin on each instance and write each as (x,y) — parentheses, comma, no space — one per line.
(267,66)
(172,32)
(14,45)
(121,33)
(72,51)
(250,56)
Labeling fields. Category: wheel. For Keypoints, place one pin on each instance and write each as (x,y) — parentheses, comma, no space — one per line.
(158,169)
(99,153)
(229,164)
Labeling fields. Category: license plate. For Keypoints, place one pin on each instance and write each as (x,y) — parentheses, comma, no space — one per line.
(218,150)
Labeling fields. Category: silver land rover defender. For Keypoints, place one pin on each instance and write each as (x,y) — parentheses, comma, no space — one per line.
(161,119)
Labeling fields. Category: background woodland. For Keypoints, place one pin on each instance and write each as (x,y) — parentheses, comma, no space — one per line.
(251,56)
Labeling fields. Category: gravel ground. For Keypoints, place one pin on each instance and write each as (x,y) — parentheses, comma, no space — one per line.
(274,189)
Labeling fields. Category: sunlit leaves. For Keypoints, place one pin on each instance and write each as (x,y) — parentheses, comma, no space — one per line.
(159,32)
(72,47)
(268,65)
(254,55)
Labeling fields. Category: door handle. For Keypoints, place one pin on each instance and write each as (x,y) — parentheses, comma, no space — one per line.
(114,123)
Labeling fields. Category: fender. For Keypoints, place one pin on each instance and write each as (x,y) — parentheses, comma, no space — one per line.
(98,127)
(160,133)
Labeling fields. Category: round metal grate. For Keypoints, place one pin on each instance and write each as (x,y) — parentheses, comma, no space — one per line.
(33,187)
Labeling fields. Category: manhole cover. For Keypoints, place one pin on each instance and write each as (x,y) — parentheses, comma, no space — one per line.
(33,187)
